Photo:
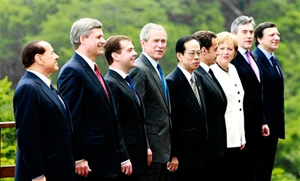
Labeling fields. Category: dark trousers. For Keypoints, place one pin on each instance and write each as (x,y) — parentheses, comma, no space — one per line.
(248,160)
(155,172)
(79,178)
(267,158)
(187,173)
(228,164)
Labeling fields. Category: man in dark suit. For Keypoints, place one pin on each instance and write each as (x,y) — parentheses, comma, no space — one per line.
(149,81)
(98,148)
(250,74)
(215,101)
(189,131)
(120,55)
(267,40)
(43,121)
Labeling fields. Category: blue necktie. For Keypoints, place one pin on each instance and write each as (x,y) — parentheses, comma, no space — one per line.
(275,65)
(163,81)
(128,79)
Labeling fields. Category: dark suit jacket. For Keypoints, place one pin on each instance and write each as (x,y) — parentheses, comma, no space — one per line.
(216,103)
(157,110)
(253,110)
(189,142)
(273,95)
(131,117)
(95,137)
(43,129)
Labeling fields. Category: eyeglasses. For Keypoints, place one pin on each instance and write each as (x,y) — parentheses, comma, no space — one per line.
(192,54)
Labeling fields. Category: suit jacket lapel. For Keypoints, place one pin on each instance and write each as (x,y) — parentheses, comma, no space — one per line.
(124,84)
(93,77)
(155,76)
(48,92)
(188,89)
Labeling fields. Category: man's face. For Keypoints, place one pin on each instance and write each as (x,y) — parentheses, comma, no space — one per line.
(245,35)
(212,52)
(189,60)
(94,43)
(127,55)
(49,59)
(156,45)
(270,39)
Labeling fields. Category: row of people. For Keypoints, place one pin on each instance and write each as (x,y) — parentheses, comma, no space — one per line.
(137,124)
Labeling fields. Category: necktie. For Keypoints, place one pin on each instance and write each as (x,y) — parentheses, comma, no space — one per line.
(128,79)
(195,89)
(251,63)
(162,81)
(97,71)
(56,94)
(275,65)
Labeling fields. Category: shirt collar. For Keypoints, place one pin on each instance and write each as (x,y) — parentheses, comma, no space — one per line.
(121,73)
(267,54)
(42,77)
(185,73)
(90,62)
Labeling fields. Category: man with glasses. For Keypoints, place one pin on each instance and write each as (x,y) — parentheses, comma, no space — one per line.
(189,144)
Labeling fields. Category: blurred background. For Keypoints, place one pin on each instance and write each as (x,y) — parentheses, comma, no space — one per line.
(22,21)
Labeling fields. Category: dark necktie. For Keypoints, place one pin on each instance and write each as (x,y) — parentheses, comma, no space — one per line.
(100,78)
(195,90)
(163,81)
(251,63)
(275,65)
(128,79)
(56,94)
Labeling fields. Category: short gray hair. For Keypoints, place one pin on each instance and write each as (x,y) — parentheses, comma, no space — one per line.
(83,27)
(241,20)
(147,28)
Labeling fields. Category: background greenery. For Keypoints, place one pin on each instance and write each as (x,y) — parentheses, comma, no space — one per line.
(22,21)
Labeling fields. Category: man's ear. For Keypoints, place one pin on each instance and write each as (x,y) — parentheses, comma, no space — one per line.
(203,50)
(82,39)
(115,56)
(38,59)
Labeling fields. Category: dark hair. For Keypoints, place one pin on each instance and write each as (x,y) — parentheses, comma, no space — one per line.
(113,45)
(180,44)
(204,38)
(29,51)
(259,30)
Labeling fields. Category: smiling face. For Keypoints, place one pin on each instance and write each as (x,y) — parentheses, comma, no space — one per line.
(127,55)
(270,39)
(155,46)
(189,60)
(245,34)
(93,43)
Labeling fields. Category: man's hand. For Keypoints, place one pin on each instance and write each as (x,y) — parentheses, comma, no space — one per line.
(42,178)
(149,156)
(126,168)
(265,130)
(82,168)
(173,165)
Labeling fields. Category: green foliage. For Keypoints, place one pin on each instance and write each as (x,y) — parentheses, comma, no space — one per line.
(22,21)
(8,141)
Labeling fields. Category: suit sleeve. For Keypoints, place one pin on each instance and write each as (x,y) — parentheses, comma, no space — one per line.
(124,155)
(139,79)
(26,109)
(71,87)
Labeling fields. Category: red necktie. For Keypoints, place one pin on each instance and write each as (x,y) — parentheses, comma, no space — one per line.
(97,71)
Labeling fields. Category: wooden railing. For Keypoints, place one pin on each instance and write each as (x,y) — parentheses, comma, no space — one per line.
(6,171)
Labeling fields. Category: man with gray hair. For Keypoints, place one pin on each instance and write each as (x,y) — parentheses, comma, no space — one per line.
(150,84)
(250,74)
(97,146)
